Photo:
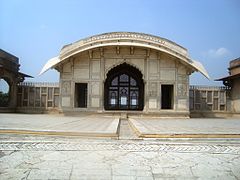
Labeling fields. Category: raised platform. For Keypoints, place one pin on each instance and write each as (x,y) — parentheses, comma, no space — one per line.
(118,127)
(186,128)
(87,126)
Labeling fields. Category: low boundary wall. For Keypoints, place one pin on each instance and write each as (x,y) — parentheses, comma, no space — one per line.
(37,97)
(204,101)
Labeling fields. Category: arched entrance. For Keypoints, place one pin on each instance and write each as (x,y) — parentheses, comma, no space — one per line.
(4,92)
(124,89)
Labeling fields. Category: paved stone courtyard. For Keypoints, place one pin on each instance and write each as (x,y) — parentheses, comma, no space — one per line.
(113,127)
(72,156)
(51,157)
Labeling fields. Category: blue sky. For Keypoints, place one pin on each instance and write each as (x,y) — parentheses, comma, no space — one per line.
(36,30)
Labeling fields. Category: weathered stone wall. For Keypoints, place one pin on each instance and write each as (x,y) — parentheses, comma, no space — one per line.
(209,101)
(10,78)
(9,71)
(37,97)
(235,96)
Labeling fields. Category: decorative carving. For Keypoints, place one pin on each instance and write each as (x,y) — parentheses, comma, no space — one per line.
(95,88)
(143,38)
(90,53)
(66,87)
(66,101)
(95,102)
(182,90)
(101,52)
(131,50)
(107,69)
(96,67)
(152,103)
(153,89)
(153,66)
(118,50)
(182,78)
(182,86)
(148,52)
(167,74)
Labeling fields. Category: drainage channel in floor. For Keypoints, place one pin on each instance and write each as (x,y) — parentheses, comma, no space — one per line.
(125,130)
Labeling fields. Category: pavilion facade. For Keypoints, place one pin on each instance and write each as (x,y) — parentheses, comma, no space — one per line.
(125,72)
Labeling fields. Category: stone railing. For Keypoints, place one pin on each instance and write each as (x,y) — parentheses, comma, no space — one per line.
(39,84)
(38,95)
(209,98)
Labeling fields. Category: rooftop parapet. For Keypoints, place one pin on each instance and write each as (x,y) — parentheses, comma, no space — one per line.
(234,66)
(121,37)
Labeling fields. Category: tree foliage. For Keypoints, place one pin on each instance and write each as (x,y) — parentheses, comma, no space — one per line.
(4,97)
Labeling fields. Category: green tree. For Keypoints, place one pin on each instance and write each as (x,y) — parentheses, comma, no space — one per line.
(3,99)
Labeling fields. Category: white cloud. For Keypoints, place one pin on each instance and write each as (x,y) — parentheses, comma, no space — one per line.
(217,53)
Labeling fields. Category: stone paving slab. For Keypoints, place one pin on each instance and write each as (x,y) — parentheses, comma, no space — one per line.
(123,145)
(91,125)
(117,159)
(186,128)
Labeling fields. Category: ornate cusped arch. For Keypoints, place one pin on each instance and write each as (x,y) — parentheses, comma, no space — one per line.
(124,88)
(124,61)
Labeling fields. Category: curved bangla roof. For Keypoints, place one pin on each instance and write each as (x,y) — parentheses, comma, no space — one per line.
(125,39)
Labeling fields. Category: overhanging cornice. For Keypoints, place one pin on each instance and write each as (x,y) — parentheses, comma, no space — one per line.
(125,39)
